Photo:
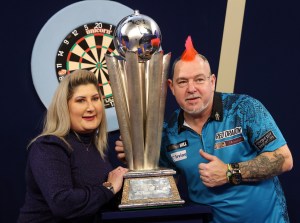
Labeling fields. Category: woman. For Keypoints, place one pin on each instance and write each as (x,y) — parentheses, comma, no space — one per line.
(68,177)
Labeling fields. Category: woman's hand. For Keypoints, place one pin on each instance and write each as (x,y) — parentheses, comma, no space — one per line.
(115,177)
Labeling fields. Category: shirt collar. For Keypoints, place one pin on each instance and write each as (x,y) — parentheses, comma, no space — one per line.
(216,114)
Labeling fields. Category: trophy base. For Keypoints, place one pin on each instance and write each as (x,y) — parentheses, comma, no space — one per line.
(150,189)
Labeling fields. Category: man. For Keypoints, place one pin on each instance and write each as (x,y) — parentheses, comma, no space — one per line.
(241,148)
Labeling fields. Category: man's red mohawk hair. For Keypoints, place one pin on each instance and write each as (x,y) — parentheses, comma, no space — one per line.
(190,52)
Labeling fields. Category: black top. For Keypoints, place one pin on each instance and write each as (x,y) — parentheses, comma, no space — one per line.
(62,183)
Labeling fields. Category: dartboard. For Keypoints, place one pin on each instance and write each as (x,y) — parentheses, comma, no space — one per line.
(77,36)
(84,48)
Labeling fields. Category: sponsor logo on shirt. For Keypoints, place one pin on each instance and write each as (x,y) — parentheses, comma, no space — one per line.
(180,155)
(230,142)
(178,146)
(228,133)
(265,140)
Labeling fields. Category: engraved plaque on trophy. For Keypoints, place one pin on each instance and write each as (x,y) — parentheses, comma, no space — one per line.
(139,84)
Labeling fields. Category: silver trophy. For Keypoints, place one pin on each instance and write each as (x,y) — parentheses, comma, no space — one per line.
(139,84)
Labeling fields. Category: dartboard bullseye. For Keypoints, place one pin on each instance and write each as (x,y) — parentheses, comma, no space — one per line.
(84,48)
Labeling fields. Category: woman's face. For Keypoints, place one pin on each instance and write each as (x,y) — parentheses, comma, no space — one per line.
(85,109)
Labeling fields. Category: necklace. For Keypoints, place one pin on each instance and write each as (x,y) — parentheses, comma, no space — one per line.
(86,146)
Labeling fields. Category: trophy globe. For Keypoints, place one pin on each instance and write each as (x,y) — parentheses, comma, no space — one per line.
(138,33)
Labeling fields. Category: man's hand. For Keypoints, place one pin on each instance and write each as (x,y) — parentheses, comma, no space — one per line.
(212,173)
(120,151)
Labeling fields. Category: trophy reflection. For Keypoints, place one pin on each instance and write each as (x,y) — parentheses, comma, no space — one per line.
(139,85)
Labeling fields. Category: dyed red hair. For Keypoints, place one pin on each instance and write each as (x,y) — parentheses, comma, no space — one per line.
(190,52)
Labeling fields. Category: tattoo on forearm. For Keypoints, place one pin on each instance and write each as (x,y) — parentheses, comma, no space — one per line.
(262,167)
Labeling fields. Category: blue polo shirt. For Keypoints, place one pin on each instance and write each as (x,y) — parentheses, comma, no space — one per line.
(239,129)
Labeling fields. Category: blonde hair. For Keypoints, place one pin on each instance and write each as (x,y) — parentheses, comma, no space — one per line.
(57,121)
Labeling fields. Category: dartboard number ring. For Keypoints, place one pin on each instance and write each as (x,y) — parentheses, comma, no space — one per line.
(85,48)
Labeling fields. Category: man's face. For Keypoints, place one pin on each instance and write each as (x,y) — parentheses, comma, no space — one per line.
(193,86)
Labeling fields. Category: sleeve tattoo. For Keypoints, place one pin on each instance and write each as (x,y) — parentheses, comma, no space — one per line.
(262,167)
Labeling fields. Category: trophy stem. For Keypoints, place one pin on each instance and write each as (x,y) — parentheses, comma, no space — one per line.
(121,64)
(152,150)
(144,85)
(117,85)
(163,96)
(135,102)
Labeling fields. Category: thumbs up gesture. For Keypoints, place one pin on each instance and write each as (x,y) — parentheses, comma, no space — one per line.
(212,173)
